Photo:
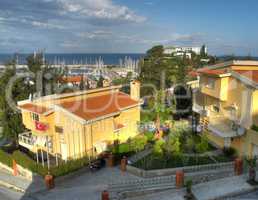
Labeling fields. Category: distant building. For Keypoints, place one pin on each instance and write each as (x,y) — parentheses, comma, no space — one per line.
(180,51)
(73,81)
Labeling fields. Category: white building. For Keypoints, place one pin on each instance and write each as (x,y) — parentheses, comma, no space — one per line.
(180,51)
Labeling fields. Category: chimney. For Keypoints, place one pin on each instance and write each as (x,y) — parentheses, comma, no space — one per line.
(135,90)
(106,83)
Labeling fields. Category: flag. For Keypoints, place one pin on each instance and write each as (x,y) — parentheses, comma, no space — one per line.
(40,126)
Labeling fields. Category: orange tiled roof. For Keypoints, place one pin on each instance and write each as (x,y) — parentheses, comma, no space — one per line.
(250,74)
(34,108)
(94,107)
(212,71)
(72,79)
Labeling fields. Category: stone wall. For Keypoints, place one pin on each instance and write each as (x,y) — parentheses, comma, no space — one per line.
(25,173)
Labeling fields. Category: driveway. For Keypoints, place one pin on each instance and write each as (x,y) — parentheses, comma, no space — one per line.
(87,186)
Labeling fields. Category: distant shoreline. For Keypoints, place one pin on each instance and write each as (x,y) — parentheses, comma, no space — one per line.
(77,58)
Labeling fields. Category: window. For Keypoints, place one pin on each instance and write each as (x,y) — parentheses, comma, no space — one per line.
(210,83)
(59,129)
(215,108)
(34,116)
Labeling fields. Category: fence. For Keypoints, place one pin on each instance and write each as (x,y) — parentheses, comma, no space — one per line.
(198,174)
(172,171)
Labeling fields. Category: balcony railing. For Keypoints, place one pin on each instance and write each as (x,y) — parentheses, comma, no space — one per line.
(225,128)
(26,140)
(30,141)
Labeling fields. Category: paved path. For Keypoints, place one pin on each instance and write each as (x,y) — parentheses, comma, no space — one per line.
(10,194)
(166,195)
(88,186)
(249,196)
(20,184)
(221,188)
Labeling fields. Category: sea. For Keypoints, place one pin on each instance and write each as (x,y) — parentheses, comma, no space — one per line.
(82,58)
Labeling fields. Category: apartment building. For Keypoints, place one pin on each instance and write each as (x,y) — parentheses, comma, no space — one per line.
(82,123)
(181,51)
(226,104)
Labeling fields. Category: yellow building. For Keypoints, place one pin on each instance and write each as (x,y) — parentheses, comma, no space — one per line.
(226,102)
(82,123)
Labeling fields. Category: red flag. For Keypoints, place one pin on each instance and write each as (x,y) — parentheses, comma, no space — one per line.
(40,126)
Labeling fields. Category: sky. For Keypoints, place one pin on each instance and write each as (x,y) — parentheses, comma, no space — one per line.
(128,26)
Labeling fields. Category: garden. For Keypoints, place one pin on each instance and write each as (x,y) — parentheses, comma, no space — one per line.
(180,147)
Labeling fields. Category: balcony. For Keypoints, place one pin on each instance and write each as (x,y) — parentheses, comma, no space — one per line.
(215,87)
(27,140)
(31,142)
(225,128)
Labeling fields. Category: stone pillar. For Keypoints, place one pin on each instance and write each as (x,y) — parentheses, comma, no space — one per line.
(49,181)
(123,164)
(111,160)
(105,195)
(238,166)
(15,168)
(179,179)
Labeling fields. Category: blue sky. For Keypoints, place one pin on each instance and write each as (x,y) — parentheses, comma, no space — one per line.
(128,26)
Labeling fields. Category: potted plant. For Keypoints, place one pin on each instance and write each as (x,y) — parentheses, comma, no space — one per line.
(189,194)
(252,172)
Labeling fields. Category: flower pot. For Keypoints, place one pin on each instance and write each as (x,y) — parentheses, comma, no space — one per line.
(49,181)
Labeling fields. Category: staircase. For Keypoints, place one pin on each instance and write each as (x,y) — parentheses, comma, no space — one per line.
(131,188)
(140,155)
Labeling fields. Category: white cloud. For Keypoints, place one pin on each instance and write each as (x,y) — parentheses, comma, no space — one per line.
(68,44)
(100,9)
(97,34)
(46,25)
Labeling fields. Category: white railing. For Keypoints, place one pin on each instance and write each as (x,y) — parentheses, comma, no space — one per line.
(26,138)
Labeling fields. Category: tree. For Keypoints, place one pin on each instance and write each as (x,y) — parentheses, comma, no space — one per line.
(11,119)
(45,73)
(82,83)
(156,52)
(203,53)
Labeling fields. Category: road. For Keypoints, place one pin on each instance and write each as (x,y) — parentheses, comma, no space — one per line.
(8,194)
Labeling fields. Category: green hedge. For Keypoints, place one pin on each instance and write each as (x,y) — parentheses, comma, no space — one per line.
(69,166)
(25,161)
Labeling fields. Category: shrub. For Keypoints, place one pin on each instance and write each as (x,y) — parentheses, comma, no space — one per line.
(69,166)
(158,146)
(189,145)
(5,158)
(26,162)
(150,136)
(230,152)
(188,185)
(203,146)
(138,143)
